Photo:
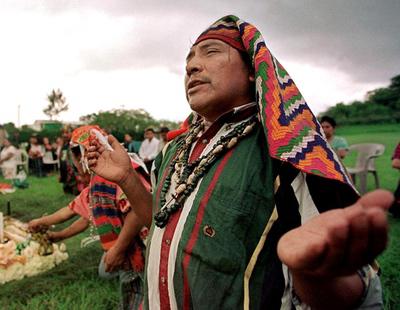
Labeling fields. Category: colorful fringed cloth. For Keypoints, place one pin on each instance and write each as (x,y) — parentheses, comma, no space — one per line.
(108,203)
(293,132)
(108,218)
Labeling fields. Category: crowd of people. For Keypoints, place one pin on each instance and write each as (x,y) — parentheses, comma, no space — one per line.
(240,211)
(43,155)
(90,205)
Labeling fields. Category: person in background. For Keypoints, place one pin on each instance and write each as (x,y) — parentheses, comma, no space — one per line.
(339,144)
(48,147)
(35,153)
(3,135)
(104,203)
(58,144)
(50,153)
(163,138)
(129,144)
(8,160)
(69,176)
(148,149)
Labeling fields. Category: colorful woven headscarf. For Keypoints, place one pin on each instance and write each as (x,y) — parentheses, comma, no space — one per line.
(293,132)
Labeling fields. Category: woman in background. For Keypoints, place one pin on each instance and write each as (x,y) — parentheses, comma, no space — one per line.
(8,160)
(339,144)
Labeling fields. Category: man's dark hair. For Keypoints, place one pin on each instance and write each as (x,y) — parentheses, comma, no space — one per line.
(149,129)
(329,120)
(164,129)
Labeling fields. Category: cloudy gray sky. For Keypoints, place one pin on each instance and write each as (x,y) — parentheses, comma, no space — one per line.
(130,54)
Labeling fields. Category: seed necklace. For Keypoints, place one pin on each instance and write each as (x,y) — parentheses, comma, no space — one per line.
(187,175)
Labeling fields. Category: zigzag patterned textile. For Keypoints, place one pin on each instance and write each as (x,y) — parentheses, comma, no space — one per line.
(106,214)
(293,132)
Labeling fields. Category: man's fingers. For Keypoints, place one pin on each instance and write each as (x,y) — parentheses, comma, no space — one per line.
(378,198)
(113,142)
(92,163)
(378,232)
(358,240)
(91,148)
(335,235)
(107,267)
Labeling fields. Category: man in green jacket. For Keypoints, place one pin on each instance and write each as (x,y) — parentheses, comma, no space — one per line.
(242,201)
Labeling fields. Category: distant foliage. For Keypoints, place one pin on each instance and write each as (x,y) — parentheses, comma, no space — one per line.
(381,105)
(20,135)
(57,103)
(118,122)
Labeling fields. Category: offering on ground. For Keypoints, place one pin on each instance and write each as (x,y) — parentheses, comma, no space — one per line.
(24,254)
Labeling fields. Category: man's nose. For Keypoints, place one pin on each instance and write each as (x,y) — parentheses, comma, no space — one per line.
(193,66)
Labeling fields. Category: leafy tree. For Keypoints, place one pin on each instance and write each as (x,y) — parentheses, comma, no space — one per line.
(120,121)
(25,133)
(384,96)
(381,105)
(395,82)
(13,133)
(57,104)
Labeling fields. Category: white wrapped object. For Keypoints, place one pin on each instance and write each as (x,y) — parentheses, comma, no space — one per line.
(102,139)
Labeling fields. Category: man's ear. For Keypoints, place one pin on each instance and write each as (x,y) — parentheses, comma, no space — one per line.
(251,77)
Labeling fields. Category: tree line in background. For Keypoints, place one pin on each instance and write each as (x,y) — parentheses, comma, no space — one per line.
(381,105)
(118,122)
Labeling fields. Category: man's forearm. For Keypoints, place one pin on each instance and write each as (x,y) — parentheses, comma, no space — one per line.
(329,293)
(140,200)
(132,226)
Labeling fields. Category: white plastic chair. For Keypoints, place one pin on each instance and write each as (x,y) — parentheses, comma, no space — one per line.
(365,163)
(22,159)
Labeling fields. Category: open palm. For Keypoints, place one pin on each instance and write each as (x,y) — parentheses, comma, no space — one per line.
(339,242)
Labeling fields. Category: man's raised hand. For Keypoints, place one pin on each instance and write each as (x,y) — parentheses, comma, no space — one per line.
(341,241)
(114,166)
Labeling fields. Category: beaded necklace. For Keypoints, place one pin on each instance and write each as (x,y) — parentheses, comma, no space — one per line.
(187,175)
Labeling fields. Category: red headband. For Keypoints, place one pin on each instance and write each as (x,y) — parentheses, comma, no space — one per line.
(229,35)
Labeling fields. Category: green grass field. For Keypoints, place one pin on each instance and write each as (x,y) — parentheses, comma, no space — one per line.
(389,135)
(75,285)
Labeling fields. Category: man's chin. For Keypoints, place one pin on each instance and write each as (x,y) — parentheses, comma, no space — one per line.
(197,106)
